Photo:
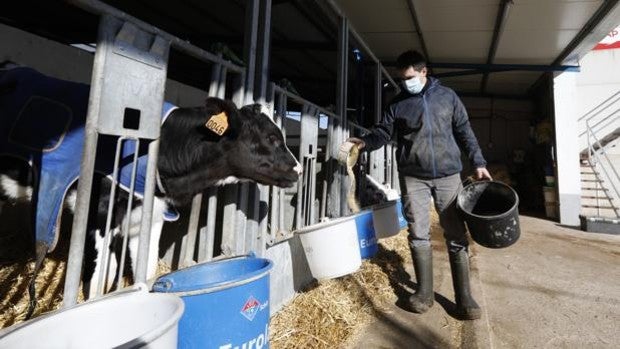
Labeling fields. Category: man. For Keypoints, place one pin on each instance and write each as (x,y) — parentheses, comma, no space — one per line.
(430,123)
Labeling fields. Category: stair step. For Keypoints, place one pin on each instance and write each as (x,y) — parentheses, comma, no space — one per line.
(596,197)
(600,207)
(593,180)
(589,188)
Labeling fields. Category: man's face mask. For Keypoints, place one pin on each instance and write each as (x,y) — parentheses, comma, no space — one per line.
(413,85)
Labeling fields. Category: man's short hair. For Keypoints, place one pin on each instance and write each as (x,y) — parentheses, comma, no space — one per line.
(410,58)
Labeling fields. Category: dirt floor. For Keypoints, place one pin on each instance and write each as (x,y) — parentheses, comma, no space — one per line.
(557,287)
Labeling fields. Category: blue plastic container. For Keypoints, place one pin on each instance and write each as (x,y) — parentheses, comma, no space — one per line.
(402,222)
(226,303)
(366,234)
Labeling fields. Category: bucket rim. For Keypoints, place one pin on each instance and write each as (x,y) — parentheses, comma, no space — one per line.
(501,215)
(213,286)
(147,336)
(314,227)
(384,204)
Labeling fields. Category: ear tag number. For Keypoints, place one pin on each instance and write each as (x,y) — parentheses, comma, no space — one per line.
(218,123)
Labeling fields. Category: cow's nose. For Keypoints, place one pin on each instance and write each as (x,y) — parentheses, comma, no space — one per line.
(298,168)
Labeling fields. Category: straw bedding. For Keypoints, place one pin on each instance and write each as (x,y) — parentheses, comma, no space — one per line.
(332,312)
(325,315)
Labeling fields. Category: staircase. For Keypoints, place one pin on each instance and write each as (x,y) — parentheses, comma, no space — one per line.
(600,161)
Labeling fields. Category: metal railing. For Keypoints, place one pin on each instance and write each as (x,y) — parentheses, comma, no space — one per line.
(601,129)
(243,231)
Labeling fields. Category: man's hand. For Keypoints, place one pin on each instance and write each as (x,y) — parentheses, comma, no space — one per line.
(482,173)
(360,143)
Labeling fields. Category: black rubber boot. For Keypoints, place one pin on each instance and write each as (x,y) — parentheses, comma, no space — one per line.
(466,306)
(423,298)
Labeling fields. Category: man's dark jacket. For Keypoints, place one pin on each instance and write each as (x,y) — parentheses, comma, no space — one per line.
(429,128)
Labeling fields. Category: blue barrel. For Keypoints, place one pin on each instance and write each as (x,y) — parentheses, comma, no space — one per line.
(366,234)
(226,303)
(402,222)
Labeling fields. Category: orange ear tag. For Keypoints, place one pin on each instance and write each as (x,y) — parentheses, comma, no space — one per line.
(218,123)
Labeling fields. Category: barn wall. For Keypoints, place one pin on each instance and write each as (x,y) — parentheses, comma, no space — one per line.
(501,126)
(70,63)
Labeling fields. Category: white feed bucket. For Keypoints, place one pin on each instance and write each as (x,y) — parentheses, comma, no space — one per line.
(125,320)
(332,248)
(385,218)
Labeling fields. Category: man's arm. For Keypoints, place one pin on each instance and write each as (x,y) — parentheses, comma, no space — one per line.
(467,139)
(379,135)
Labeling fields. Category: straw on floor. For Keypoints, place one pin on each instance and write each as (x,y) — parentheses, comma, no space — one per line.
(330,313)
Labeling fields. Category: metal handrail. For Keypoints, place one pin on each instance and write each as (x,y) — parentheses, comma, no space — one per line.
(597,160)
(617,94)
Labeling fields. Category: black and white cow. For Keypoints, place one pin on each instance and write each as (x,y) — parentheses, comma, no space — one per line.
(192,158)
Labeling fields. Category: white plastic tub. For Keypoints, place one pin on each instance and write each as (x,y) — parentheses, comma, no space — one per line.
(385,218)
(331,248)
(124,320)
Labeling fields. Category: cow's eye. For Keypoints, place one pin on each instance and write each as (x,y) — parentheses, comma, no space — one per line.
(273,139)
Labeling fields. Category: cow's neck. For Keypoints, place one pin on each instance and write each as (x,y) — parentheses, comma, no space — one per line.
(181,188)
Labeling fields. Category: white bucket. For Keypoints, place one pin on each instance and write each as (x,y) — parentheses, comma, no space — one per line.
(385,220)
(127,320)
(332,248)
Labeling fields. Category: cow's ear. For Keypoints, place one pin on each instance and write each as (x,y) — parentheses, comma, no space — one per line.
(217,105)
(221,116)
(257,108)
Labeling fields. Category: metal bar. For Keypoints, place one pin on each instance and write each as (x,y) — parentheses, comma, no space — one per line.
(282,193)
(300,184)
(98,7)
(312,190)
(500,23)
(108,224)
(301,100)
(341,100)
(359,40)
(147,212)
(210,228)
(501,67)
(188,245)
(87,168)
(274,199)
(264,45)
(617,94)
(251,41)
(611,165)
(132,186)
(418,30)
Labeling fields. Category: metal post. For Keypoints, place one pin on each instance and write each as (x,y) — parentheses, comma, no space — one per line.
(122,46)
(341,100)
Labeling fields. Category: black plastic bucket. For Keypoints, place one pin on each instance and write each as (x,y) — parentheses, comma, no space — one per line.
(491,210)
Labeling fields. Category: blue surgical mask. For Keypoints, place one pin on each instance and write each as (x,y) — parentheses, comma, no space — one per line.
(414,85)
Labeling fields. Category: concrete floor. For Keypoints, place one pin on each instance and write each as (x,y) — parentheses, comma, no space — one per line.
(557,287)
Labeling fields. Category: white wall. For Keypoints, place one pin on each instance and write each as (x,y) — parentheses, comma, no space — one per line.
(598,80)
(567,162)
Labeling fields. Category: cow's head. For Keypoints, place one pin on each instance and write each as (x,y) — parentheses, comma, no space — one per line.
(254,145)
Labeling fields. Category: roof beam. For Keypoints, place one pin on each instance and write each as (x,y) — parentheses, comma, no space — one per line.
(500,23)
(590,26)
(416,25)
(499,67)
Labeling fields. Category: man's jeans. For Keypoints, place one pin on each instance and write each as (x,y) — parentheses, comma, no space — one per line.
(416,197)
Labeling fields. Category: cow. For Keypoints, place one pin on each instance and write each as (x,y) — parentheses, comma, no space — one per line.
(200,147)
